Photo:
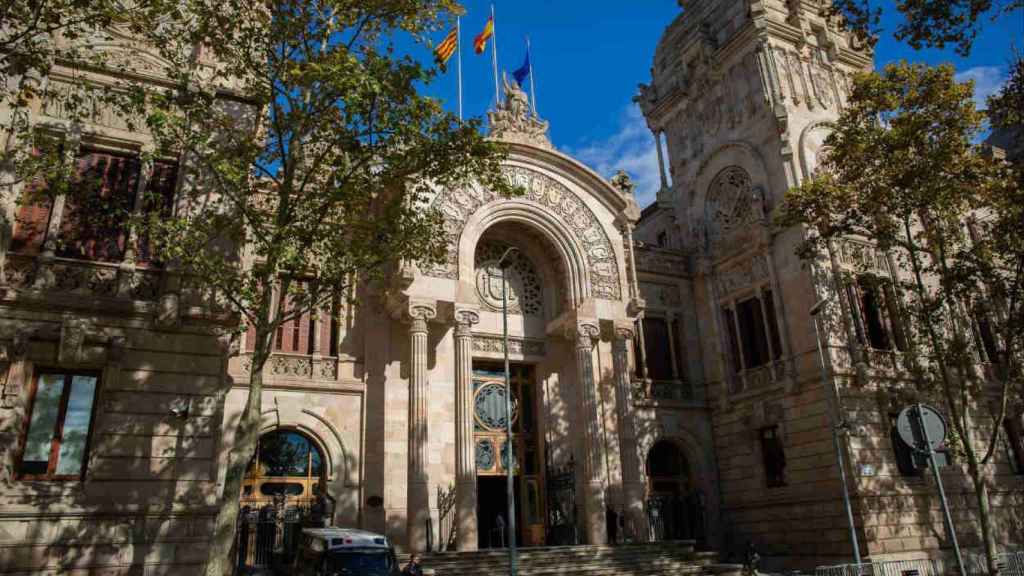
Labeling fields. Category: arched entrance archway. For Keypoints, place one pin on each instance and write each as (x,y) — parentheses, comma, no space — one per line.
(675,506)
(288,463)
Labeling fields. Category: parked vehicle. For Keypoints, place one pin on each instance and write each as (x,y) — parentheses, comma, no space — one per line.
(344,552)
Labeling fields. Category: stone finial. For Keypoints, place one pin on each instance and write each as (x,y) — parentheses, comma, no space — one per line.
(513,121)
(623,183)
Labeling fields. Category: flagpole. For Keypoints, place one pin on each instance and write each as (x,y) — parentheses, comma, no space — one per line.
(494,57)
(533,89)
(458,48)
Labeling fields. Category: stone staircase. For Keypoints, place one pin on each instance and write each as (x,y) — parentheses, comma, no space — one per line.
(673,558)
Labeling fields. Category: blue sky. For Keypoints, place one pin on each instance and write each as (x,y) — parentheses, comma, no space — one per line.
(590,55)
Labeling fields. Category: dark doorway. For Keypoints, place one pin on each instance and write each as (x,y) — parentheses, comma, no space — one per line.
(492,502)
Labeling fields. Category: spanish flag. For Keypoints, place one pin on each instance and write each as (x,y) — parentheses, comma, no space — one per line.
(446,48)
(480,42)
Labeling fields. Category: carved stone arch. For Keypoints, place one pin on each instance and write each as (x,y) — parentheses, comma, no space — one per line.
(594,264)
(812,142)
(700,469)
(567,249)
(318,429)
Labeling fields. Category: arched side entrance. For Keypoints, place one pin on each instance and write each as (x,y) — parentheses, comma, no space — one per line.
(288,464)
(283,491)
(675,506)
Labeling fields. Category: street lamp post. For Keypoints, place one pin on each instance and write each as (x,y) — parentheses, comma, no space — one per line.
(510,464)
(837,423)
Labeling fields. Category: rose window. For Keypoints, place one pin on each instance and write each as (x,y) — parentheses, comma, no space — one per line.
(523,290)
(489,406)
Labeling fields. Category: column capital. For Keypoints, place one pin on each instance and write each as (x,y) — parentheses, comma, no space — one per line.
(624,332)
(584,334)
(464,317)
(419,313)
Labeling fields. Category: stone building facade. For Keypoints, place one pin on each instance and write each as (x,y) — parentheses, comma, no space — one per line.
(663,362)
(739,102)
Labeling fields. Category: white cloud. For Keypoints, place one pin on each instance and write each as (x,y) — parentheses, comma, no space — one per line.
(630,148)
(987,81)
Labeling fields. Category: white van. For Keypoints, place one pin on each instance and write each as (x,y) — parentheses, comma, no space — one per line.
(344,552)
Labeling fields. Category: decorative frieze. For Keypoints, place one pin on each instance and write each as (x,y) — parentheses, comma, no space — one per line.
(747,273)
(487,343)
(657,261)
(862,257)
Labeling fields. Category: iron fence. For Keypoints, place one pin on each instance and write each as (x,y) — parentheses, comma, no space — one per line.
(268,537)
(1009,563)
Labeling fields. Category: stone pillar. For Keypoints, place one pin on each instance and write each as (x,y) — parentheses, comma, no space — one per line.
(632,475)
(593,487)
(465,456)
(418,500)
(661,160)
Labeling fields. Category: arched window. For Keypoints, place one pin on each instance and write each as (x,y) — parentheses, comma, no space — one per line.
(675,509)
(287,462)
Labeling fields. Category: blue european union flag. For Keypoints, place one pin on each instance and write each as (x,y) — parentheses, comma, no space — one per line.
(523,71)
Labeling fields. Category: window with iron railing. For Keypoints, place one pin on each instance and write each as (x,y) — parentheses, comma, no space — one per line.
(98,202)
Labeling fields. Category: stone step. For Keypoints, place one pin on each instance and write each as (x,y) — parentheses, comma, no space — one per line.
(647,559)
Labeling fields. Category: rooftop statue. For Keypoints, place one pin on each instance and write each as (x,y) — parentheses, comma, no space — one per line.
(514,121)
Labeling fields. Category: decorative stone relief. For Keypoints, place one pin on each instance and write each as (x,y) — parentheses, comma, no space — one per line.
(72,339)
(862,257)
(518,346)
(456,206)
(523,287)
(660,295)
(747,273)
(660,261)
(513,121)
(732,204)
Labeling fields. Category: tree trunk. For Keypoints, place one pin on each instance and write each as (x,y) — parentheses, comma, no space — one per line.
(220,560)
(985,518)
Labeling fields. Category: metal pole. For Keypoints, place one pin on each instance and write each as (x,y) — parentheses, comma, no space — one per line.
(834,416)
(510,466)
(942,491)
(458,48)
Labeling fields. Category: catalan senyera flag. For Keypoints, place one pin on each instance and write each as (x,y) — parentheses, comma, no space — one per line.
(446,48)
(480,42)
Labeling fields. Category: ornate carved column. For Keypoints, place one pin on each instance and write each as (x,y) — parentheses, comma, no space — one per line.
(632,478)
(593,497)
(418,499)
(465,458)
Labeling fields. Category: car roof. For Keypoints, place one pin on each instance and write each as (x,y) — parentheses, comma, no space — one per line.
(340,538)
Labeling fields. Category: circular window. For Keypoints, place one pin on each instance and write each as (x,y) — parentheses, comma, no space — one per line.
(489,406)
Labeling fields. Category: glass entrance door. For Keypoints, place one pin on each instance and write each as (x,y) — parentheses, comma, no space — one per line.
(492,452)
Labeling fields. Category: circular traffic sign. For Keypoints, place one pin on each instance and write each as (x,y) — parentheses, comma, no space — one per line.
(909,427)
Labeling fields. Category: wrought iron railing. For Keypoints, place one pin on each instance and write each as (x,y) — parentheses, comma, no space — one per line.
(1009,563)
(446,518)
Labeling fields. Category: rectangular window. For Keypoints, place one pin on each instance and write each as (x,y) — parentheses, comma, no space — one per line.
(728,318)
(877,310)
(774,457)
(773,324)
(986,336)
(59,426)
(656,344)
(101,197)
(752,333)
